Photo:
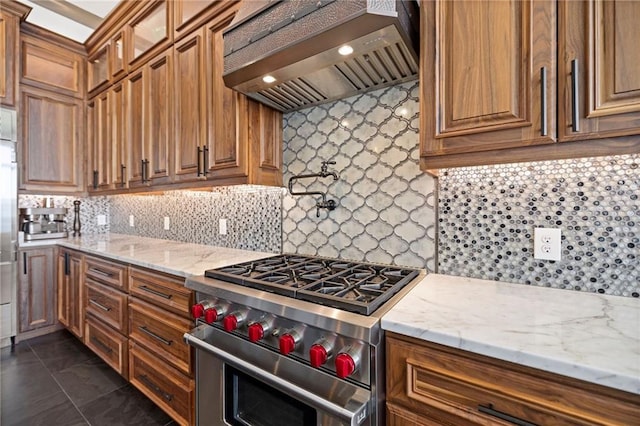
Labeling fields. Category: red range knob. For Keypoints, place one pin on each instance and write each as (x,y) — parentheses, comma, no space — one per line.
(256,332)
(210,316)
(287,344)
(317,355)
(197,310)
(345,366)
(230,323)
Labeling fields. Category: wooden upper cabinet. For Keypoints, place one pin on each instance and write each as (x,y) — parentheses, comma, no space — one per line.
(98,72)
(189,15)
(117,103)
(600,40)
(244,137)
(50,133)
(135,128)
(99,143)
(150,32)
(49,66)
(159,119)
(488,75)
(10,14)
(190,107)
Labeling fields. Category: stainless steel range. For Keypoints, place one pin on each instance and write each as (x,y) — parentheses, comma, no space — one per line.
(293,340)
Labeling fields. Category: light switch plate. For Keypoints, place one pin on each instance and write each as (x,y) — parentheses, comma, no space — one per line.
(547,243)
(167,223)
(223,226)
(101,219)
(131,221)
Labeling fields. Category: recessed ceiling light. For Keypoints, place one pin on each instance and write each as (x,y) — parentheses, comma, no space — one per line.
(268,79)
(345,50)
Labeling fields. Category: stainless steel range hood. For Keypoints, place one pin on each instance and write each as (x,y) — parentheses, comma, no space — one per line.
(296,42)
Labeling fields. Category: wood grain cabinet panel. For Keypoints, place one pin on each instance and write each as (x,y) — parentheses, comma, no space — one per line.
(135,129)
(99,144)
(36,289)
(119,143)
(165,291)
(600,38)
(49,66)
(10,14)
(433,384)
(108,305)
(109,345)
(483,68)
(168,388)
(70,291)
(106,272)
(51,142)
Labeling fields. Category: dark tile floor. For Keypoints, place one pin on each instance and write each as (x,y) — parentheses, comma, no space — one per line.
(56,380)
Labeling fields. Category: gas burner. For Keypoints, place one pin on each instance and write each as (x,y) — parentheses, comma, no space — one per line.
(352,286)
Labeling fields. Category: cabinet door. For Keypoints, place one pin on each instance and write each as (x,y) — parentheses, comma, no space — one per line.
(601,38)
(483,65)
(50,153)
(150,32)
(8,58)
(159,119)
(37,291)
(98,70)
(228,113)
(70,302)
(117,103)
(190,107)
(186,14)
(99,141)
(135,128)
(117,55)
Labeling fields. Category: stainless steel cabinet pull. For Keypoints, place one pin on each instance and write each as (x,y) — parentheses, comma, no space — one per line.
(99,305)
(104,346)
(543,101)
(488,409)
(154,335)
(103,273)
(575,107)
(199,155)
(155,292)
(155,388)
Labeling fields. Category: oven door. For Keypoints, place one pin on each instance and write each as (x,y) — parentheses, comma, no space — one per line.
(243,383)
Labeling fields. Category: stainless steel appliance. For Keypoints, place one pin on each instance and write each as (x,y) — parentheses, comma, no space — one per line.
(291,54)
(8,224)
(39,223)
(293,340)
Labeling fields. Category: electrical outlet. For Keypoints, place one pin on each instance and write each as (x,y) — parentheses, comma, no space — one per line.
(547,243)
(101,219)
(223,226)
(167,223)
(131,221)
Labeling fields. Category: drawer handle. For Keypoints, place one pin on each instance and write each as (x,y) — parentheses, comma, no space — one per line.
(155,388)
(575,103)
(99,305)
(543,101)
(156,292)
(488,409)
(154,335)
(104,346)
(100,272)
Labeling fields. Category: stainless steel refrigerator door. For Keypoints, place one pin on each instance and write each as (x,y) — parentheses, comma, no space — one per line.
(8,223)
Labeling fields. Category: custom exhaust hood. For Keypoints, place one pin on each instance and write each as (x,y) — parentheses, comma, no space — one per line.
(293,54)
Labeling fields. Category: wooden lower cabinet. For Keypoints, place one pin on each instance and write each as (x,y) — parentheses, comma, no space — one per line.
(165,291)
(171,390)
(70,291)
(108,304)
(430,384)
(36,289)
(108,344)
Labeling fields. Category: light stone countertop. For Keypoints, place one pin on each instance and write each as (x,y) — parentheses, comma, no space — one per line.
(592,337)
(172,257)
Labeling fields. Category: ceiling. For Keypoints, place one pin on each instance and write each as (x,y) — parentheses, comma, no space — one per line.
(75,19)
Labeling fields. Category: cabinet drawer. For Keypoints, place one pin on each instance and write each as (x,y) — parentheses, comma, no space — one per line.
(161,332)
(105,272)
(163,290)
(107,304)
(108,344)
(432,379)
(168,388)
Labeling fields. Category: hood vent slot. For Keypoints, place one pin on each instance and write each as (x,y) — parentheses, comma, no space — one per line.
(308,69)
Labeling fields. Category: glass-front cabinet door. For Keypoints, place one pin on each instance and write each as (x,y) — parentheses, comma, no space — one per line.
(118,55)
(150,31)
(98,69)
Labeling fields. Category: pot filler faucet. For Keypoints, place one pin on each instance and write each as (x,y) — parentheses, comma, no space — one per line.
(324,204)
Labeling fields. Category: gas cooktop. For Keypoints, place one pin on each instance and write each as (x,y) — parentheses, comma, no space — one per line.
(351,286)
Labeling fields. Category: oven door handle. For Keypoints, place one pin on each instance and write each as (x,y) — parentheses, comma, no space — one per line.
(352,415)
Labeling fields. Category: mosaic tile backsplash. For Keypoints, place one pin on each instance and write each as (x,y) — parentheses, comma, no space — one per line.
(90,208)
(254,216)
(487,216)
(386,207)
